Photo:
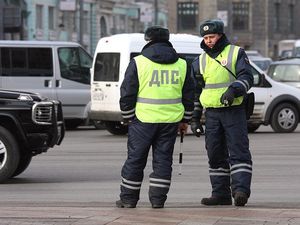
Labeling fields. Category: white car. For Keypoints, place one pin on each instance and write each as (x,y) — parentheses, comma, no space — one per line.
(276,104)
(262,62)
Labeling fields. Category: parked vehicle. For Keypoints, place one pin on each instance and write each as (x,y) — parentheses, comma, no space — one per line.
(253,53)
(275,103)
(111,59)
(57,70)
(262,62)
(29,125)
(286,71)
(286,48)
(296,50)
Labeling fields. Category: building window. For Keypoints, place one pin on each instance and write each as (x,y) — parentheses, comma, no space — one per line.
(39,17)
(291,18)
(86,22)
(276,16)
(51,18)
(187,14)
(240,11)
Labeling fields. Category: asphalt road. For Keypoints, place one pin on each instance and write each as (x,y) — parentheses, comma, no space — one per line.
(85,171)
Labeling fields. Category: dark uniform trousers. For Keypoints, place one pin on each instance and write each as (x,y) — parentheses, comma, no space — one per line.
(228,152)
(141,136)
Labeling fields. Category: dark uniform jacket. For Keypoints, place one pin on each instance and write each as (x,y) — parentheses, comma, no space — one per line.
(160,52)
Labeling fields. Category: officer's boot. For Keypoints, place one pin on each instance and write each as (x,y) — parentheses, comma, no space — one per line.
(214,200)
(121,204)
(240,198)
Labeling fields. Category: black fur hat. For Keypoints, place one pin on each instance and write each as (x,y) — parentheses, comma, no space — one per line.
(157,33)
(215,26)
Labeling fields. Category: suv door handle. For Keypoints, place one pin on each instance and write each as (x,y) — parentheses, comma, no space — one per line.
(48,83)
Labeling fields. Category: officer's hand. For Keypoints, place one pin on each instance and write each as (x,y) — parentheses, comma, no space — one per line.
(182,128)
(196,127)
(227,97)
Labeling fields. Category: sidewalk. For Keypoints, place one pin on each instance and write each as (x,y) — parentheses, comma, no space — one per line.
(97,214)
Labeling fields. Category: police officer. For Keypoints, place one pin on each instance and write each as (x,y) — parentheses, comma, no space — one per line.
(156,101)
(223,77)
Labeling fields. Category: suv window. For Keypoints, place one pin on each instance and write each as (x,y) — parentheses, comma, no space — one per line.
(75,64)
(26,62)
(286,72)
(107,67)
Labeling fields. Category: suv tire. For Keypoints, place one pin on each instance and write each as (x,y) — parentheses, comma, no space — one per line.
(285,118)
(9,154)
(24,162)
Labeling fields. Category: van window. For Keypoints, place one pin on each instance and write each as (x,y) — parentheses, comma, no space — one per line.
(75,64)
(5,62)
(26,62)
(107,67)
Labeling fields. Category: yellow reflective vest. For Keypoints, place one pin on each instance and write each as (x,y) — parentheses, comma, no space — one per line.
(159,97)
(217,78)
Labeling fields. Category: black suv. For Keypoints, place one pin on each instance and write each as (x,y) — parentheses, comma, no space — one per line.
(29,125)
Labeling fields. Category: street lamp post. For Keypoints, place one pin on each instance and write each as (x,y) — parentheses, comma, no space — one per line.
(79,4)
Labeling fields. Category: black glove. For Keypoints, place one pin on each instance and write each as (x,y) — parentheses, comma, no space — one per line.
(196,127)
(227,97)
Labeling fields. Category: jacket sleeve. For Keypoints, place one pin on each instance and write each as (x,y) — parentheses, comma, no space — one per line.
(243,73)
(129,91)
(198,85)
(188,96)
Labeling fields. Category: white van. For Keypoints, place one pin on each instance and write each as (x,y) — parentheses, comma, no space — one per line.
(111,59)
(57,70)
(276,104)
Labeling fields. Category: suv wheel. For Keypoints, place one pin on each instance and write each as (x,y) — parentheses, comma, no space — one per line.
(285,118)
(25,160)
(9,154)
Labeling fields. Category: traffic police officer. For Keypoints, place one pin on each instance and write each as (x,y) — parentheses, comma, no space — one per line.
(223,76)
(156,100)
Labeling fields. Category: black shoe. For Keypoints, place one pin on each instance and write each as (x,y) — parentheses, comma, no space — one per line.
(213,200)
(121,204)
(240,199)
(157,206)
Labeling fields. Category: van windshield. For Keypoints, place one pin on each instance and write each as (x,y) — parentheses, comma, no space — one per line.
(107,67)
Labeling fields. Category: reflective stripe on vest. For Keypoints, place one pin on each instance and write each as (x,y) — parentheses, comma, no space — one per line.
(160,91)
(217,79)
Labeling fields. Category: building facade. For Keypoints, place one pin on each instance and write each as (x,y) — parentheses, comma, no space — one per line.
(83,21)
(252,24)
(185,16)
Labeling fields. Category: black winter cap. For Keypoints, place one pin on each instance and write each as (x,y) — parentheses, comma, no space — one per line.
(214,26)
(157,33)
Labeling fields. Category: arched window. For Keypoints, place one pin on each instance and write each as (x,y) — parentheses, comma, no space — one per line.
(103,27)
